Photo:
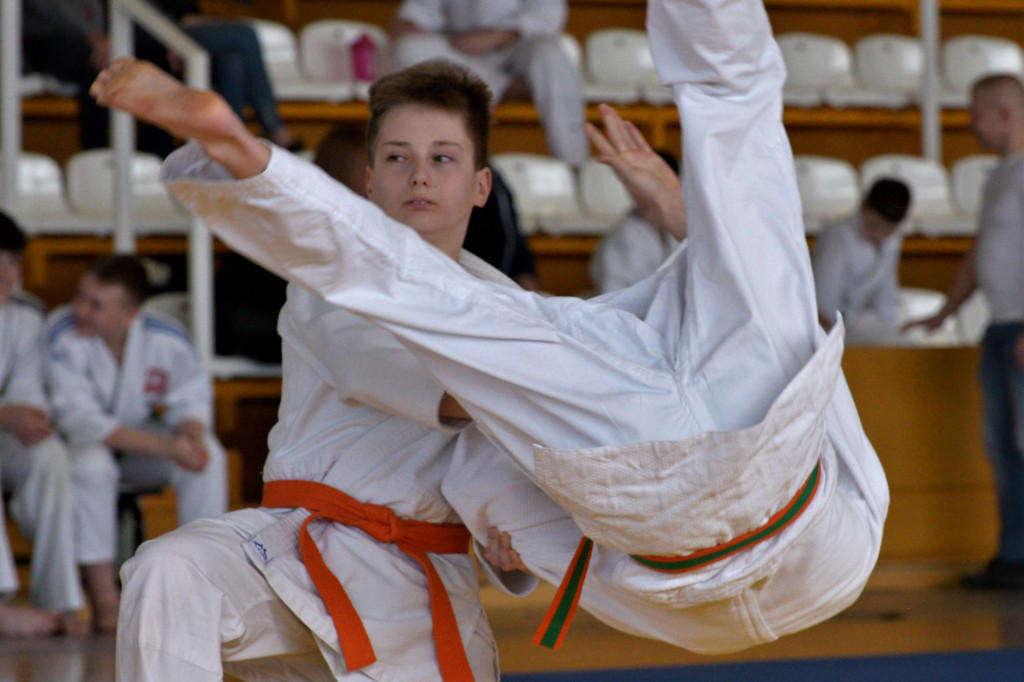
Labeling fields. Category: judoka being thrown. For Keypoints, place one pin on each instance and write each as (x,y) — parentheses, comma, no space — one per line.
(696,426)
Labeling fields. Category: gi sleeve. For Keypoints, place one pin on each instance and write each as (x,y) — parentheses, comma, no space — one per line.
(190,395)
(24,385)
(77,410)
(364,363)
(828,262)
(428,15)
(887,298)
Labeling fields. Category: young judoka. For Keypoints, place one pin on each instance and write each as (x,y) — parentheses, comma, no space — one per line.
(856,266)
(127,380)
(695,426)
(362,440)
(33,463)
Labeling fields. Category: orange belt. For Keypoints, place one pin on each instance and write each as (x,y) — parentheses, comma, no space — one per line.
(415,538)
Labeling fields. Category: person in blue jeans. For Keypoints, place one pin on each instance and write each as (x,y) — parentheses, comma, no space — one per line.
(994,266)
(236,67)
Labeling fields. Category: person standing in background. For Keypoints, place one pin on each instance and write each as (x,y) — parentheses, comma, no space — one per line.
(995,266)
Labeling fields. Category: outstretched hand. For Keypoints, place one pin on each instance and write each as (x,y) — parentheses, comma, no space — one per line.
(653,184)
(499,552)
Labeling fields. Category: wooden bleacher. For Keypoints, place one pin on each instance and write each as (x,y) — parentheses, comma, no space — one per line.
(920,406)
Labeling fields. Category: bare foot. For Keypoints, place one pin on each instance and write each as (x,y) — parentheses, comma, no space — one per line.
(72,624)
(152,95)
(148,93)
(24,621)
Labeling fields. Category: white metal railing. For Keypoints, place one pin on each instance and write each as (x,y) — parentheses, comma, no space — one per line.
(931,111)
(10,99)
(123,15)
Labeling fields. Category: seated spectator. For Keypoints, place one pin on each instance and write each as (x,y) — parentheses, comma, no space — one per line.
(66,39)
(34,463)
(634,249)
(856,266)
(502,41)
(237,69)
(134,403)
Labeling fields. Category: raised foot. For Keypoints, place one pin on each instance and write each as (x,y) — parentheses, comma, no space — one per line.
(152,95)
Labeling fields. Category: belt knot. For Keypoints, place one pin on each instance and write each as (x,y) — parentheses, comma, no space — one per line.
(384,525)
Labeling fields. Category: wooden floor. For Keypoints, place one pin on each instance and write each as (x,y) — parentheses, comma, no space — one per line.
(905,609)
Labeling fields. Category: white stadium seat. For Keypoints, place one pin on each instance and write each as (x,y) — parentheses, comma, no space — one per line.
(546,197)
(325,48)
(887,70)
(619,64)
(281,56)
(41,205)
(813,63)
(90,185)
(828,188)
(602,194)
(967,58)
(931,206)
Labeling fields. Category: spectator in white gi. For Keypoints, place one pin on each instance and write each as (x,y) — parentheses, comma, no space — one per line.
(33,463)
(856,267)
(696,425)
(134,403)
(634,249)
(995,266)
(502,40)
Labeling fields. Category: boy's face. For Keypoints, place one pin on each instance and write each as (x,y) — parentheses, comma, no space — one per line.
(10,273)
(876,229)
(102,310)
(423,174)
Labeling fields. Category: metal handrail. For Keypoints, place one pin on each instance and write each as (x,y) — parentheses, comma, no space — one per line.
(123,13)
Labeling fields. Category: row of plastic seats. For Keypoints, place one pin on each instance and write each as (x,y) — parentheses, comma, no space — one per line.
(80,198)
(318,63)
(884,70)
(942,203)
(550,198)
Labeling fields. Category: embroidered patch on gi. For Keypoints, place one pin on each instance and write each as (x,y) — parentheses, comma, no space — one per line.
(261,550)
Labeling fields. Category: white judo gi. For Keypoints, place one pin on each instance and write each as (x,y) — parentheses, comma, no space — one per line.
(158,384)
(859,279)
(358,413)
(631,252)
(38,476)
(556,84)
(672,418)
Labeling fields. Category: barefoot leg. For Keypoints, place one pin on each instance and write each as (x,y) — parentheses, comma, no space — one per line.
(152,95)
(103,593)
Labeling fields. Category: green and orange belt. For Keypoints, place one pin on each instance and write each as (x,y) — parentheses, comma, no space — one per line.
(556,622)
